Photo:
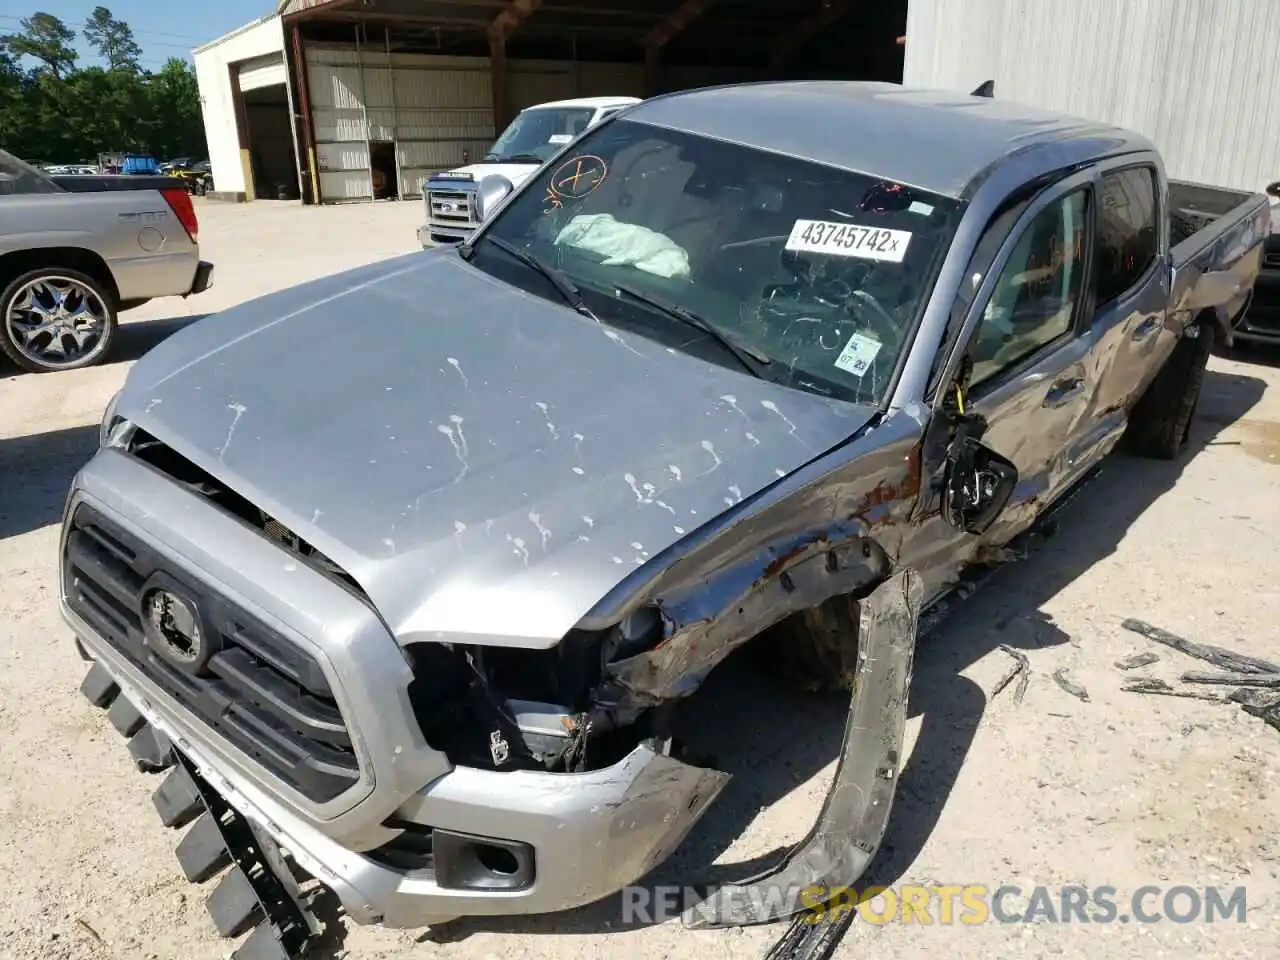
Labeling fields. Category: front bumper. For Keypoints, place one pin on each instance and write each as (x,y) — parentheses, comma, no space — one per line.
(203,279)
(434,233)
(590,834)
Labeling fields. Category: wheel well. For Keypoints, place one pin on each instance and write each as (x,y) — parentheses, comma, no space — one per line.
(71,258)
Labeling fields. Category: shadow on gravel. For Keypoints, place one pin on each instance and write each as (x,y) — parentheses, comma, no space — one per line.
(133,339)
(773,739)
(35,473)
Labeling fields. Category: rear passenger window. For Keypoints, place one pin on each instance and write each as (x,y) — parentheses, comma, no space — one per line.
(1127,233)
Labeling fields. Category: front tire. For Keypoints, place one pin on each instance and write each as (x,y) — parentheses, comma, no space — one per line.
(55,319)
(816,649)
(1160,424)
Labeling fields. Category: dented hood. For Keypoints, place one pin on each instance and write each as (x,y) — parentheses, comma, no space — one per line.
(485,463)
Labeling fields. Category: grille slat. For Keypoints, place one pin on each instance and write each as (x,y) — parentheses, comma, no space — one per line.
(266,696)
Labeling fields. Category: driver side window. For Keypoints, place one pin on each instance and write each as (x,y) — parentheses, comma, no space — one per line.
(1034,300)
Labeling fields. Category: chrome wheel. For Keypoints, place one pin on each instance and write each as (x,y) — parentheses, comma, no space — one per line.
(55,322)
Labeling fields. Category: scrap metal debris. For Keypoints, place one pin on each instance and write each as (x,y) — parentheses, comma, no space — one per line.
(1257,681)
(1021,670)
(1221,658)
(1135,660)
(1158,686)
(1232,679)
(1061,678)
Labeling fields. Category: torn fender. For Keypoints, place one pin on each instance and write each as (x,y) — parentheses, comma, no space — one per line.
(707,620)
(855,814)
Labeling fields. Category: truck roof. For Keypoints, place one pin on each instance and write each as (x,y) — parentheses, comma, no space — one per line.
(935,140)
(587,102)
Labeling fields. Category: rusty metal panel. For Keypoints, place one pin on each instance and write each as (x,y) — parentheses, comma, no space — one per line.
(1202,80)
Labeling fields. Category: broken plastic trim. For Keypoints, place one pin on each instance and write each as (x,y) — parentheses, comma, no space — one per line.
(855,814)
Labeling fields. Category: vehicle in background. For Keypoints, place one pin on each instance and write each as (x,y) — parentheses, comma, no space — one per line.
(536,135)
(808,354)
(128,164)
(76,249)
(1261,322)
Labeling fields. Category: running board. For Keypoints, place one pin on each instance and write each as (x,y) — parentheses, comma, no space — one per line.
(855,814)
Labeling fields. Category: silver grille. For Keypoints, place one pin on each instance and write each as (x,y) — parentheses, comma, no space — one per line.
(451,207)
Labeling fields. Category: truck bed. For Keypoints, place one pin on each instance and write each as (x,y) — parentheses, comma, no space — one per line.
(1216,238)
(1194,207)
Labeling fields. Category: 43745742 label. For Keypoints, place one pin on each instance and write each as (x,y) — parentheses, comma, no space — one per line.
(849,240)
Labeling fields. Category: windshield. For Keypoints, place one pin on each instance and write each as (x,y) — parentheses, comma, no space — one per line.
(18,176)
(818,271)
(539,133)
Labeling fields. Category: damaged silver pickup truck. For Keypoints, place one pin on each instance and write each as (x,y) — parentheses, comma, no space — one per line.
(410,568)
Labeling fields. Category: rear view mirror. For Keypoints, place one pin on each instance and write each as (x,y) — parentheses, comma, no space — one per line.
(490,192)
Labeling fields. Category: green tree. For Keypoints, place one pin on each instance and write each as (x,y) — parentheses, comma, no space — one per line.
(45,38)
(113,39)
(59,114)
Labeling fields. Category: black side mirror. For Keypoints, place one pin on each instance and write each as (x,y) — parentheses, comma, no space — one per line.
(1273,189)
(977,482)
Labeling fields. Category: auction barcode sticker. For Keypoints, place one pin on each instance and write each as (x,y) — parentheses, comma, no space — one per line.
(849,240)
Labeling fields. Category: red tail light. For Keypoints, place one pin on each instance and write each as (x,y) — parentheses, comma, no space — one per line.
(180,203)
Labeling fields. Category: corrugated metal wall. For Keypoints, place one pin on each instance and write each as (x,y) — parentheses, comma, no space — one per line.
(1201,78)
(435,108)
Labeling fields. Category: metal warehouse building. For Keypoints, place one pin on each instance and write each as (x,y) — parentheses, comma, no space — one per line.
(338,100)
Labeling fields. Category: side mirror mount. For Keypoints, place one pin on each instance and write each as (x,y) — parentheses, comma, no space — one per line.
(490,192)
(977,482)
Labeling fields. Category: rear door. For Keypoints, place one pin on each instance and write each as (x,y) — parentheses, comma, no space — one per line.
(1129,338)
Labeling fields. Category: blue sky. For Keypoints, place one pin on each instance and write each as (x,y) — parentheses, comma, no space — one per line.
(163,28)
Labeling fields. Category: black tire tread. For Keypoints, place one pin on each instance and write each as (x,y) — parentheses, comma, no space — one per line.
(815,648)
(1161,419)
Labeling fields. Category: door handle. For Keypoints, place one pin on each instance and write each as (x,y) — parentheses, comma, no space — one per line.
(1147,327)
(1063,390)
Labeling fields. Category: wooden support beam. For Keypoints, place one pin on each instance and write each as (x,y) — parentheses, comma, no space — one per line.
(500,28)
(508,21)
(671,26)
(675,23)
(790,43)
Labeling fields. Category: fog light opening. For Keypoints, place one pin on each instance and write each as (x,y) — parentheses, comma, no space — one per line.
(497,860)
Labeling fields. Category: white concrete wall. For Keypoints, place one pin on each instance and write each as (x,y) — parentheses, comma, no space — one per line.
(1201,78)
(213,60)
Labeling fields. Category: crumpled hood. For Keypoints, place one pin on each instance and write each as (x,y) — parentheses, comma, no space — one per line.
(485,463)
(517,173)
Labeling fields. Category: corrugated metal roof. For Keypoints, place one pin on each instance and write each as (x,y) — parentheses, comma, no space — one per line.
(1200,79)
(930,139)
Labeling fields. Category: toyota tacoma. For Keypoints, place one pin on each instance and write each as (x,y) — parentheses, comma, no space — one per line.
(418,598)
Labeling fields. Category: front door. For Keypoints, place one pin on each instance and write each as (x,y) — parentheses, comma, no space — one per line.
(1027,346)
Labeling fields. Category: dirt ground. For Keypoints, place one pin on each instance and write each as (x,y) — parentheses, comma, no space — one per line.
(1122,790)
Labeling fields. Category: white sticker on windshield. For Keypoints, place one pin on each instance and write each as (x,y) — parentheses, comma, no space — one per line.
(560,138)
(858,354)
(849,240)
(924,209)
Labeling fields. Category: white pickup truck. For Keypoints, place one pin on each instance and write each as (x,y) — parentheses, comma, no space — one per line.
(536,135)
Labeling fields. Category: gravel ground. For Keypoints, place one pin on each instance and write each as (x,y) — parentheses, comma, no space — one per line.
(1122,790)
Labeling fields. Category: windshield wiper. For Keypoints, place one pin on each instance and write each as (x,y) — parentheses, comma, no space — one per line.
(515,158)
(754,363)
(566,287)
